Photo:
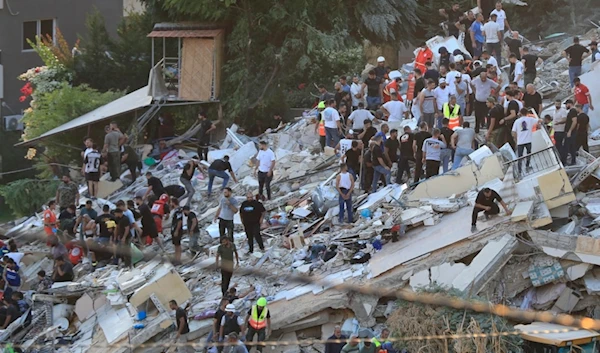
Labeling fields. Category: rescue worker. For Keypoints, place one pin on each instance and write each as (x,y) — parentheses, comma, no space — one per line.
(160,209)
(230,322)
(258,323)
(320,126)
(392,87)
(452,113)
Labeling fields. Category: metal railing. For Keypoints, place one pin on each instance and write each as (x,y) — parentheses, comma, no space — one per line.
(533,163)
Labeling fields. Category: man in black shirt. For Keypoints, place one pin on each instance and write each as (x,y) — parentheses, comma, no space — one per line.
(575,54)
(368,132)
(486,7)
(373,85)
(486,201)
(101,220)
(67,219)
(186,179)
(182,327)
(352,159)
(192,228)
(581,133)
(466,23)
(419,82)
(252,213)
(515,44)
(530,61)
(512,114)
(155,186)
(392,145)
(496,133)
(406,154)
(130,158)
(206,127)
(123,238)
(11,314)
(149,228)
(217,169)
(177,229)
(278,122)
(431,73)
(379,166)
(419,138)
(570,126)
(446,153)
(453,15)
(63,270)
(532,99)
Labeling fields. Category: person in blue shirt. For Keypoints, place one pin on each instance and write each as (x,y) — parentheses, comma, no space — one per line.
(477,38)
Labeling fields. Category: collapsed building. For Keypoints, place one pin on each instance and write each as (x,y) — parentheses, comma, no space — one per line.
(544,256)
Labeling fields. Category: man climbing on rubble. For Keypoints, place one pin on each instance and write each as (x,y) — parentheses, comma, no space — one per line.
(352,158)
(486,202)
(206,127)
(571,132)
(63,270)
(265,165)
(530,61)
(258,323)
(219,168)
(226,251)
(582,129)
(183,328)
(186,179)
(333,125)
(453,17)
(344,184)
(462,141)
(595,51)
(559,123)
(192,229)
(533,99)
(432,153)
(419,138)
(380,167)
(522,132)
(448,151)
(91,169)
(252,213)
(230,323)
(320,125)
(67,193)
(122,238)
(176,229)
(575,55)
(155,186)
(582,95)
(335,347)
(228,207)
(496,133)
(49,218)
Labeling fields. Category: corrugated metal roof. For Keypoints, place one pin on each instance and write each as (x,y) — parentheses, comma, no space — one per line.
(185,33)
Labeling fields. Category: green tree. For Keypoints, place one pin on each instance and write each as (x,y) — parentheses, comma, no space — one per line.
(26,196)
(271,44)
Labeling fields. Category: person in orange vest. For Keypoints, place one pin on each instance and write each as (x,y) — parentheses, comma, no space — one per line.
(50,219)
(320,126)
(258,323)
(393,86)
(159,209)
(424,55)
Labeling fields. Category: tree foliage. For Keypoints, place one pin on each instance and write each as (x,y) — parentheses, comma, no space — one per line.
(26,196)
(273,46)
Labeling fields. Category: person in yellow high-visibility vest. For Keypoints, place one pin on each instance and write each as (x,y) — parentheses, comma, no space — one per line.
(320,126)
(258,323)
(452,112)
(381,341)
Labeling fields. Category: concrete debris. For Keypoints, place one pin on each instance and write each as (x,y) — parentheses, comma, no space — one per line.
(403,236)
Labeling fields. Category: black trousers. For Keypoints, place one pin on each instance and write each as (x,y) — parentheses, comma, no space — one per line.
(253,233)
(114,165)
(432,168)
(225,280)
(264,181)
(481,111)
(495,210)
(581,140)
(133,170)
(203,151)
(418,166)
(262,333)
(226,225)
(403,166)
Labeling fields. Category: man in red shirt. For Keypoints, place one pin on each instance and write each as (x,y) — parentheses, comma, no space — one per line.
(582,95)
(50,218)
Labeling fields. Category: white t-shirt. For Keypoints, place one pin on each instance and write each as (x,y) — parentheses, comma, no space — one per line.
(358,118)
(397,110)
(490,30)
(493,61)
(524,129)
(441,96)
(264,160)
(354,90)
(451,80)
(520,70)
(87,150)
(467,78)
(597,56)
(345,145)
(331,117)
(501,18)
(559,116)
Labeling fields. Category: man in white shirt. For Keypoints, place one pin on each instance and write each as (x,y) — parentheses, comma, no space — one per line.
(394,109)
(333,125)
(493,37)
(500,17)
(265,164)
(451,77)
(442,95)
(486,56)
(559,124)
(517,71)
(357,93)
(358,117)
(522,132)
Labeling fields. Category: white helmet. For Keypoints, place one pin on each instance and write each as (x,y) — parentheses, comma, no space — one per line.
(458,58)
(380,59)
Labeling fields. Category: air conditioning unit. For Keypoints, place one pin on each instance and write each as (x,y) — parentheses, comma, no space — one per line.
(13,123)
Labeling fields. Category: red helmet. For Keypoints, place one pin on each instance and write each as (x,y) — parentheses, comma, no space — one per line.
(164,198)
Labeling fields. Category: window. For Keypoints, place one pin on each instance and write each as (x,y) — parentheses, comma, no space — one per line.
(31,29)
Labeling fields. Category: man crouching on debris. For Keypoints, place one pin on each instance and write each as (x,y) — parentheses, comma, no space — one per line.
(486,201)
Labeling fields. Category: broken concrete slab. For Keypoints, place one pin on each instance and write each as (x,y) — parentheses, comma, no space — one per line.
(107,188)
(420,280)
(166,284)
(577,271)
(522,211)
(84,307)
(444,274)
(484,266)
(567,301)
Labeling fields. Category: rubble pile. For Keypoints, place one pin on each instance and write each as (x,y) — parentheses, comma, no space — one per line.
(541,256)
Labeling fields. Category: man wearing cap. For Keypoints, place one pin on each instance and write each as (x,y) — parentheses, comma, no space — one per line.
(380,69)
(218,168)
(445,58)
(230,323)
(258,323)
(493,37)
(595,51)
(442,96)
